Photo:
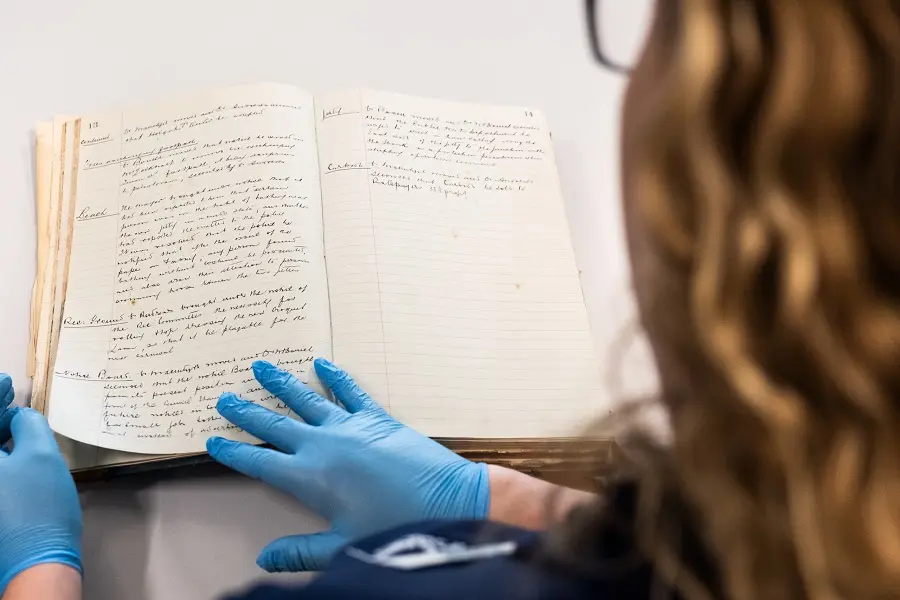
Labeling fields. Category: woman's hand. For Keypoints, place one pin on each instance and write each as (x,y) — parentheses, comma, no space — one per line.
(358,467)
(40,517)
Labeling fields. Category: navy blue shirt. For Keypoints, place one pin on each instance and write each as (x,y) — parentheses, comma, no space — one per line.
(477,560)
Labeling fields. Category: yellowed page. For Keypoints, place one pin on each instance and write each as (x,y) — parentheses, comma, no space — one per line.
(197,247)
(43,167)
(64,243)
(51,252)
(51,300)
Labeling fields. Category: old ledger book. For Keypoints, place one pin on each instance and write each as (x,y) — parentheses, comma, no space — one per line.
(420,244)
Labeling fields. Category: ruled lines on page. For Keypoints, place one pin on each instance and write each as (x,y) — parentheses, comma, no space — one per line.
(455,297)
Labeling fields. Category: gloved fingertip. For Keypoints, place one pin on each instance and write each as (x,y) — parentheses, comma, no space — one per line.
(262,368)
(306,552)
(326,370)
(214,443)
(225,401)
(30,415)
(280,557)
(326,366)
(273,557)
(29,429)
(273,378)
(264,562)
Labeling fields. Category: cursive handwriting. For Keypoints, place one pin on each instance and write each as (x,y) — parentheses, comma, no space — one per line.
(425,151)
(204,228)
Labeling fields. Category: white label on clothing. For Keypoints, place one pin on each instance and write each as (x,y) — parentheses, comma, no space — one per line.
(419,551)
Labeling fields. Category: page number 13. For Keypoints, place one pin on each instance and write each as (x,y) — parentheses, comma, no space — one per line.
(93,124)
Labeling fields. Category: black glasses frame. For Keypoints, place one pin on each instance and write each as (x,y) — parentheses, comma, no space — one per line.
(591,12)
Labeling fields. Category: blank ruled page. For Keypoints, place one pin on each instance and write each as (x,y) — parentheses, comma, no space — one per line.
(455,298)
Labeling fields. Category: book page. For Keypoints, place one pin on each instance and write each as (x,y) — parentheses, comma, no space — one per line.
(54,271)
(43,172)
(52,161)
(65,224)
(196,248)
(455,296)
(52,253)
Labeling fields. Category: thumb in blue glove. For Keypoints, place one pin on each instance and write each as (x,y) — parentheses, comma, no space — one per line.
(356,465)
(308,552)
(40,517)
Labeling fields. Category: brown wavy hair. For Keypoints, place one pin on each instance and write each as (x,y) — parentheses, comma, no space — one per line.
(762,198)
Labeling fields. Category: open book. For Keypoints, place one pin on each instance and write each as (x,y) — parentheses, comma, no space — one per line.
(420,244)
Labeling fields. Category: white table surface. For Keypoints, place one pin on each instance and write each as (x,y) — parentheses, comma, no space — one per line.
(196,536)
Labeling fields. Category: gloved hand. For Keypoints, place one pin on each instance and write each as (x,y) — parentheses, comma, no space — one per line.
(358,467)
(40,517)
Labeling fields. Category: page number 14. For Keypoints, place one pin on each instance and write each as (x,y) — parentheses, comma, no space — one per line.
(529,113)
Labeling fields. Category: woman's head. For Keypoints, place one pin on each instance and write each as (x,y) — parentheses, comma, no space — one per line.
(759,146)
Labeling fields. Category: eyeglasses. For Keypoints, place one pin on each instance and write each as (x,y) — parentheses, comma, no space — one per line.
(617,29)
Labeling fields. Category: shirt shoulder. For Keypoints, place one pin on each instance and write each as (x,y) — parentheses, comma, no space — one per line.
(450,560)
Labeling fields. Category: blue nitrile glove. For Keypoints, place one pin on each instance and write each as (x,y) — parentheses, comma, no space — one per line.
(40,517)
(358,467)
(6,391)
